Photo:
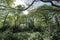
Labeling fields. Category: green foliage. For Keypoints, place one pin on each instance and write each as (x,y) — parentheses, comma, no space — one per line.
(10,2)
(42,23)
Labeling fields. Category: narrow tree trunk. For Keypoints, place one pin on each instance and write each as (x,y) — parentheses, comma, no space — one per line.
(5,19)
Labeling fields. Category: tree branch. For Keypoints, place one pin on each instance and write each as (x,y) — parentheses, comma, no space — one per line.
(19,9)
(30,5)
(54,4)
(51,2)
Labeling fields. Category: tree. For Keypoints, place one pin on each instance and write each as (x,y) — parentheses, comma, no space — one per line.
(42,23)
(47,18)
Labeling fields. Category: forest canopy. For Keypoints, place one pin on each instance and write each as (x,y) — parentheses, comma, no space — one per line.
(41,23)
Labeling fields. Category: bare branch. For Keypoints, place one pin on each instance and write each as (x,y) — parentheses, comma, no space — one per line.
(55,4)
(51,1)
(30,5)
